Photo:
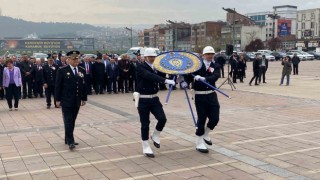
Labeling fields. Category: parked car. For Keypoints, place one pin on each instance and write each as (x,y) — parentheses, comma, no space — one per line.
(306,56)
(278,55)
(301,56)
(315,54)
(268,56)
(309,56)
(249,56)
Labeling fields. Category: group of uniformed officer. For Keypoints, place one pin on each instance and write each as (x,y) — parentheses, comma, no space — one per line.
(68,84)
(206,100)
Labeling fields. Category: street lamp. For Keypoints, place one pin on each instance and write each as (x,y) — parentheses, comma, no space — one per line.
(129,29)
(195,28)
(233,11)
(273,16)
(174,40)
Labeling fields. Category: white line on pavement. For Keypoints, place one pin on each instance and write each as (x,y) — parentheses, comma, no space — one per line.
(78,149)
(86,164)
(292,152)
(263,127)
(179,170)
(274,137)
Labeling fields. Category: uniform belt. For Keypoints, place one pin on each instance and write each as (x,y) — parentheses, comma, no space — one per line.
(204,92)
(148,96)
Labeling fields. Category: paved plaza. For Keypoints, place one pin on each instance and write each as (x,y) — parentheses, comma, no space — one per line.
(265,132)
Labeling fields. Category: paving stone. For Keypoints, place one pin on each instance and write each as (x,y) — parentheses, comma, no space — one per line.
(267,132)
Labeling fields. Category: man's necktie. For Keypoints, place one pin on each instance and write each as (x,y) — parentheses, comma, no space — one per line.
(87,68)
(75,71)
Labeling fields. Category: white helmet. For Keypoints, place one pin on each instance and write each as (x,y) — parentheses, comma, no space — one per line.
(150,52)
(208,49)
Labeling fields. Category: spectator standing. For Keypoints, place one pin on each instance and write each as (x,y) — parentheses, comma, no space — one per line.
(11,82)
(295,62)
(263,69)
(286,70)
(256,69)
(26,68)
(113,76)
(38,79)
(241,68)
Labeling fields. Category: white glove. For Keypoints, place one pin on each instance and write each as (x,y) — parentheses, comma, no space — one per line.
(136,97)
(183,84)
(170,82)
(199,78)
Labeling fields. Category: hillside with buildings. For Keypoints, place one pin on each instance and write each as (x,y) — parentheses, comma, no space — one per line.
(282,28)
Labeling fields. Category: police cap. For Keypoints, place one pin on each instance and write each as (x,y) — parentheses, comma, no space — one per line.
(73,54)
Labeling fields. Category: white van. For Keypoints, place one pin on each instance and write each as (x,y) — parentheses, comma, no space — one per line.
(134,50)
(40,55)
(265,51)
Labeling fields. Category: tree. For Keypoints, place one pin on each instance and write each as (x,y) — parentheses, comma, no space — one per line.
(274,44)
(255,45)
(251,36)
(214,40)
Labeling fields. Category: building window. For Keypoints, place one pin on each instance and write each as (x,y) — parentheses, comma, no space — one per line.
(312,25)
(303,25)
(312,16)
(303,17)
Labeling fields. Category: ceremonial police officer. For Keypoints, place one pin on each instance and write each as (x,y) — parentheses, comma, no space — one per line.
(147,89)
(70,92)
(206,99)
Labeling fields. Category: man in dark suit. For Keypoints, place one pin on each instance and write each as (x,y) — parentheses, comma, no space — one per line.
(38,79)
(105,60)
(112,75)
(256,69)
(263,69)
(49,79)
(56,59)
(26,69)
(132,75)
(98,73)
(147,89)
(234,59)
(16,63)
(220,59)
(295,62)
(87,65)
(70,92)
(124,68)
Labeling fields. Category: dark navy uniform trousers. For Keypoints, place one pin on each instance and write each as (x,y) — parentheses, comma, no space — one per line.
(147,106)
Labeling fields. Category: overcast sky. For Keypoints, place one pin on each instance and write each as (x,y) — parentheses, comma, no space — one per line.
(137,11)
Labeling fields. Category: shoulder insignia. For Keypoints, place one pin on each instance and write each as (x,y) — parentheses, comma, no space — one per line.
(80,67)
(63,67)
